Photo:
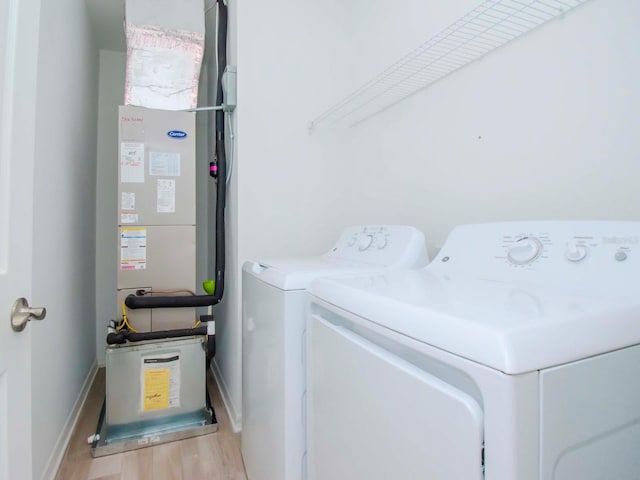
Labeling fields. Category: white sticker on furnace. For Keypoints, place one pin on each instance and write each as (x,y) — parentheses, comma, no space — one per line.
(133,248)
(164,164)
(166,197)
(128,201)
(131,162)
(127,218)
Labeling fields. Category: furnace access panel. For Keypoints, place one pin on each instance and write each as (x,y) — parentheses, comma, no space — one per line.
(156,211)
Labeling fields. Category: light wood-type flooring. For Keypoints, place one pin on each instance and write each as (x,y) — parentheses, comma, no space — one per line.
(214,456)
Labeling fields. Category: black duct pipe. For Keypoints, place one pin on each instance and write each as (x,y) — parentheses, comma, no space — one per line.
(168,301)
(122,336)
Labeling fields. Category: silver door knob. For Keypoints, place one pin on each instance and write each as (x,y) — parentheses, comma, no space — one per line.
(21,313)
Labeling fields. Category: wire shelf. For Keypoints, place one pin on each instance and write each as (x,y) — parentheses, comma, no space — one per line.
(487,27)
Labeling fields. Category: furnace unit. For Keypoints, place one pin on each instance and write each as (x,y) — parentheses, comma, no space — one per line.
(156,372)
(156,213)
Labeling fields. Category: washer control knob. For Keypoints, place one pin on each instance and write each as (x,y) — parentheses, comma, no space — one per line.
(524,251)
(382,242)
(365,242)
(575,252)
(352,241)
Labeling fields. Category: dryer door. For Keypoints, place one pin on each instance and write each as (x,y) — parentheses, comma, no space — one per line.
(375,416)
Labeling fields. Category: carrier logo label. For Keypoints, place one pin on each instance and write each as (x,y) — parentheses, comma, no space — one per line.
(179,134)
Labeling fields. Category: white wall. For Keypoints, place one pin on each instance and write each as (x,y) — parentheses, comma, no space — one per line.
(281,197)
(110,96)
(228,355)
(64,222)
(544,128)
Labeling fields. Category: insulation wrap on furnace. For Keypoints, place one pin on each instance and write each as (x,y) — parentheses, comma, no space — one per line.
(163,67)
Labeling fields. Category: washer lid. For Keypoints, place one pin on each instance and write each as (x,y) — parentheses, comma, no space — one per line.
(297,273)
(511,326)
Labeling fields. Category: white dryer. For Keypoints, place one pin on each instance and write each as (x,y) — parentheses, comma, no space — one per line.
(273,339)
(514,355)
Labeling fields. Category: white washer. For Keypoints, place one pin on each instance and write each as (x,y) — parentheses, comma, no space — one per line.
(514,355)
(273,340)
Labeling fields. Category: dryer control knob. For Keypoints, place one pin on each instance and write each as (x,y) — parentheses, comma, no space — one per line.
(365,242)
(381,242)
(575,252)
(524,251)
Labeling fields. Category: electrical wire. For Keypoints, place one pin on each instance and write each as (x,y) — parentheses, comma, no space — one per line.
(125,321)
(231,138)
(168,292)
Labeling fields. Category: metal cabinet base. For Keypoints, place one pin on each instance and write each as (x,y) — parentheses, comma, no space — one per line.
(156,393)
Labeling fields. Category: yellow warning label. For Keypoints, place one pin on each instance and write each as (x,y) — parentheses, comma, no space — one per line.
(156,389)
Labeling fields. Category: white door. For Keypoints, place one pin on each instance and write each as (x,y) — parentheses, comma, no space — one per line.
(19,26)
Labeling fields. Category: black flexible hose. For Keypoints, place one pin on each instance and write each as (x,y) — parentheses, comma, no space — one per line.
(135,302)
(169,301)
(221,193)
(117,338)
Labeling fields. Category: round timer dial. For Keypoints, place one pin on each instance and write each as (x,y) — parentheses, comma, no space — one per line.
(524,251)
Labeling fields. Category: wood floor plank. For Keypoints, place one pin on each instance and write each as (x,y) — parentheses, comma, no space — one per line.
(202,458)
(103,466)
(216,455)
(231,457)
(137,464)
(167,461)
(74,470)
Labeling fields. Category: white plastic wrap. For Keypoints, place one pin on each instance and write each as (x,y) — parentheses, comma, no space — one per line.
(163,67)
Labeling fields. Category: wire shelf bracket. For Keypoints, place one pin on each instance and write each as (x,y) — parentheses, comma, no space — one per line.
(487,27)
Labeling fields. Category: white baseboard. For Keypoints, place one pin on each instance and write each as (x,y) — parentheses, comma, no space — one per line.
(60,447)
(235,417)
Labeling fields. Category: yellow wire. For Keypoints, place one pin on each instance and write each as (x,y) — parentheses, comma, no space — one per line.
(125,321)
(124,317)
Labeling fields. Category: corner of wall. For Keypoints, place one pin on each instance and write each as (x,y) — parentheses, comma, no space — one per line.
(235,416)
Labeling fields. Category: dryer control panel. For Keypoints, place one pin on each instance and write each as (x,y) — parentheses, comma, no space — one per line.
(526,249)
(557,252)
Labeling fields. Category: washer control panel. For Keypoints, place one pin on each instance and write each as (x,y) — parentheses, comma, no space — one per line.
(553,250)
(388,245)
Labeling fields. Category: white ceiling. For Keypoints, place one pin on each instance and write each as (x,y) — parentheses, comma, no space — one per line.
(107,19)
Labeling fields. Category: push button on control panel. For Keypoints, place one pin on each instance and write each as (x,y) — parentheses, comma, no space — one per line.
(620,256)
